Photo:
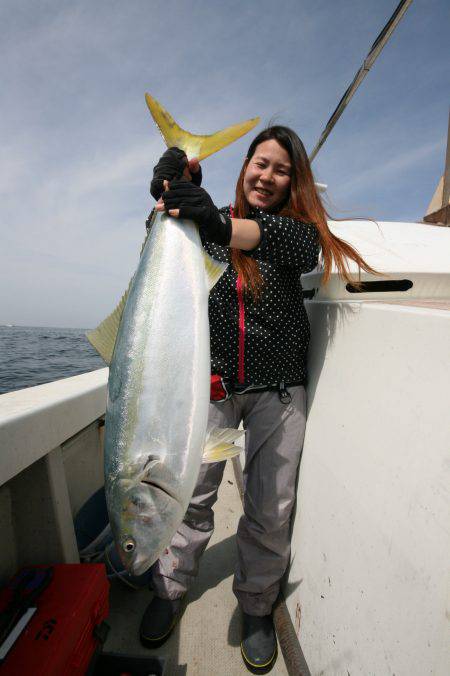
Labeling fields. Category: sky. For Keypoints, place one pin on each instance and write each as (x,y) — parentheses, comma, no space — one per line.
(78,143)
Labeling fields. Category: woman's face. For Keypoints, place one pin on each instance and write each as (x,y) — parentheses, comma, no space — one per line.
(267,178)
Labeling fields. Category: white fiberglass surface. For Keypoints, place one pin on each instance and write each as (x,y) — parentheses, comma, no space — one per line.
(368,583)
(413,258)
(398,247)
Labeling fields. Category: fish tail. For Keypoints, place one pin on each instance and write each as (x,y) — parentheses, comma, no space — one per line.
(199,146)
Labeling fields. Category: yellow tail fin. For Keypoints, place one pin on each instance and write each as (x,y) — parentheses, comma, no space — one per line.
(193,145)
(104,336)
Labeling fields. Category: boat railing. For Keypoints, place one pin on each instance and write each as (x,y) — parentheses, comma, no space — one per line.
(51,462)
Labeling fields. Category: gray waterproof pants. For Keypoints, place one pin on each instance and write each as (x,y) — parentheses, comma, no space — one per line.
(273,443)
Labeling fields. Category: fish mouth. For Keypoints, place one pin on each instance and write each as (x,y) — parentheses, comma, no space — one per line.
(139,567)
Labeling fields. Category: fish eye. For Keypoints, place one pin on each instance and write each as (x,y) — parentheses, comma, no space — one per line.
(129,545)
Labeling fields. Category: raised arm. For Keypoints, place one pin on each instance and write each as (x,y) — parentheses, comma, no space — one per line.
(245,234)
(286,241)
(278,239)
(183,199)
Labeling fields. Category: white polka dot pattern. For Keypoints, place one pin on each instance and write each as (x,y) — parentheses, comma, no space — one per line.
(276,327)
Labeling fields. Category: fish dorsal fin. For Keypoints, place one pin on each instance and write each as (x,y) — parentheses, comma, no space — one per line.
(192,144)
(219,444)
(214,269)
(103,338)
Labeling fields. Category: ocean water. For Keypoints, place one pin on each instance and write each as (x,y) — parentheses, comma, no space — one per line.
(31,355)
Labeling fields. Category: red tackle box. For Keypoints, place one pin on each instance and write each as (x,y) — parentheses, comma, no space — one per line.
(61,637)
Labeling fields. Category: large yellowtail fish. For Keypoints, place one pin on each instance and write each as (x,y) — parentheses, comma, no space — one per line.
(157,343)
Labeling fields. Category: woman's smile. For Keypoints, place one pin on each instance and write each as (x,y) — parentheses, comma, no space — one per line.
(267,178)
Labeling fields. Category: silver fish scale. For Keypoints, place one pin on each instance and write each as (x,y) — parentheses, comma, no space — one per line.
(158,392)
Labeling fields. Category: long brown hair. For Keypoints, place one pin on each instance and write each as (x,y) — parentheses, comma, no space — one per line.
(303,203)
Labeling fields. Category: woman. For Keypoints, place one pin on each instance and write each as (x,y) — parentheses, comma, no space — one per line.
(259,337)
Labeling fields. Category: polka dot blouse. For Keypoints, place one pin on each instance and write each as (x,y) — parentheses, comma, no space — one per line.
(276,328)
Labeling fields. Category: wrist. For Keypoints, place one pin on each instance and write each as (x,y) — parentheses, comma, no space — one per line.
(226,230)
(217,229)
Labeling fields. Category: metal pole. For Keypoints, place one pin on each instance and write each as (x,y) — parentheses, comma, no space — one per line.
(375,50)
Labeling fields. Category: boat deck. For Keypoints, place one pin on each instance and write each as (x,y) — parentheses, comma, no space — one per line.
(207,640)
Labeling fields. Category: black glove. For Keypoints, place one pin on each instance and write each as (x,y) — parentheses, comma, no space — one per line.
(195,203)
(171,165)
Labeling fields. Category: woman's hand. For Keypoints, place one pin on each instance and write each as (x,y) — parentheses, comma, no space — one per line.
(183,199)
(195,171)
(171,165)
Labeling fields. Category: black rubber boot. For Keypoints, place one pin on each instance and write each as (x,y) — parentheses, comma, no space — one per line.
(159,621)
(259,643)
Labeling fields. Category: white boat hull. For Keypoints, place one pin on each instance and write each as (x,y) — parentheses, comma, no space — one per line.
(368,584)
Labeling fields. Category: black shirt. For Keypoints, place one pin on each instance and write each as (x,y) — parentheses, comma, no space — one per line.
(264,342)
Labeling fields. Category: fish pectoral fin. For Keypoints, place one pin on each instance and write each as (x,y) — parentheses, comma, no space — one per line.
(214,269)
(219,444)
(195,145)
(145,473)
